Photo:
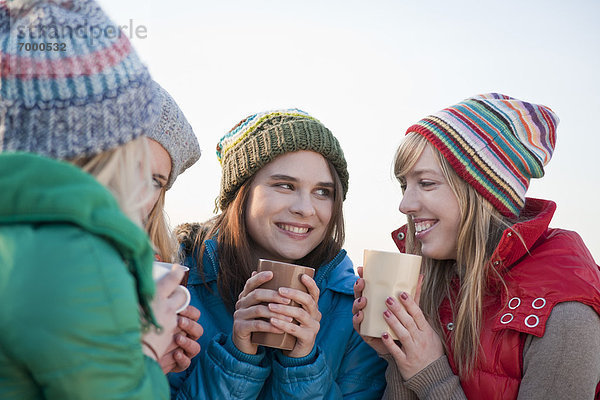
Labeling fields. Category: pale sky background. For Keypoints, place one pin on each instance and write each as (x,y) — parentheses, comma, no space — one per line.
(368,70)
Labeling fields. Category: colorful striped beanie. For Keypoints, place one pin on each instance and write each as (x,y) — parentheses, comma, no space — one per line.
(260,138)
(495,143)
(71,85)
(175,134)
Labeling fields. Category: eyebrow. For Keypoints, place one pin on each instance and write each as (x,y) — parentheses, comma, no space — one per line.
(281,177)
(424,171)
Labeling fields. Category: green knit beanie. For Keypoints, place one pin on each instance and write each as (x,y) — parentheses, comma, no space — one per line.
(260,138)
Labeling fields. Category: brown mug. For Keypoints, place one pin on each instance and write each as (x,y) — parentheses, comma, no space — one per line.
(284,275)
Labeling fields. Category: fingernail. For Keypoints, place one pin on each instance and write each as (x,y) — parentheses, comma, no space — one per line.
(179,339)
(183,322)
(404,296)
(390,301)
(283,290)
(385,335)
(356,283)
(387,314)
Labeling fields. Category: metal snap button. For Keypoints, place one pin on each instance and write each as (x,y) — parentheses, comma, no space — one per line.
(450,326)
(532,324)
(400,236)
(506,318)
(540,299)
(510,303)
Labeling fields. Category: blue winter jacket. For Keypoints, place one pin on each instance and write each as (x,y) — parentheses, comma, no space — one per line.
(341,365)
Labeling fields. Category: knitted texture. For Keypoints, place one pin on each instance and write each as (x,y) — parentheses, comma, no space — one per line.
(175,134)
(496,143)
(260,138)
(71,84)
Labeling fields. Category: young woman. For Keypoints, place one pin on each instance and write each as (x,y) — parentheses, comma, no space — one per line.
(80,308)
(284,180)
(173,149)
(508,307)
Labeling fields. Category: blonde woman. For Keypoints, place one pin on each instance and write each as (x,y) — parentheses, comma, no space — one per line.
(80,309)
(174,148)
(508,308)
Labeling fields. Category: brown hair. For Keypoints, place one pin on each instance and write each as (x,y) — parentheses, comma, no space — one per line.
(236,257)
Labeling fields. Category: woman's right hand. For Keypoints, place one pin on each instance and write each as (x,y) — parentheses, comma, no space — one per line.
(358,315)
(251,307)
(167,300)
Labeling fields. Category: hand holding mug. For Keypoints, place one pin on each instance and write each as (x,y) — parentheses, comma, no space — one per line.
(167,300)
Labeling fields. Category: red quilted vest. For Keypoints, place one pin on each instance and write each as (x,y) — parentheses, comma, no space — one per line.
(558,268)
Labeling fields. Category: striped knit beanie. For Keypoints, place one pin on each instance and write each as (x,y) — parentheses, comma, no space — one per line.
(71,84)
(175,134)
(495,143)
(260,138)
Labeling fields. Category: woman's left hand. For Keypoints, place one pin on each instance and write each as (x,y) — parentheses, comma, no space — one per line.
(307,315)
(179,358)
(420,344)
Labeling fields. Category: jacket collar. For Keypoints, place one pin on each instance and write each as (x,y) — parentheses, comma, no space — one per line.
(510,248)
(337,275)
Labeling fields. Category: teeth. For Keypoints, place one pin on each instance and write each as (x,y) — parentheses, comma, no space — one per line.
(421,226)
(293,229)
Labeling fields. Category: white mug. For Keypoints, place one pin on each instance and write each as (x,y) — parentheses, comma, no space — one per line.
(160,269)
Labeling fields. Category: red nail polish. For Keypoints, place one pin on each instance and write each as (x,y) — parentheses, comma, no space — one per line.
(387,314)
(404,296)
(359,299)
(385,335)
(390,301)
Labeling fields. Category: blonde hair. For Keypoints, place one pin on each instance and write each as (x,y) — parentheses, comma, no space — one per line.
(122,171)
(161,236)
(480,230)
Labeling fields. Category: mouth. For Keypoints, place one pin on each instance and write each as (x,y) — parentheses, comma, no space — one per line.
(294,229)
(422,227)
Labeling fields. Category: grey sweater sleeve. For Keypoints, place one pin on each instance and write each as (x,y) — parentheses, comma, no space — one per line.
(565,362)
(436,381)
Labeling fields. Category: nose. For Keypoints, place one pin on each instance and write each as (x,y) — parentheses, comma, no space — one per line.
(303,204)
(409,204)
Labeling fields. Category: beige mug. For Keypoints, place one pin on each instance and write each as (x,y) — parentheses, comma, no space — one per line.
(386,274)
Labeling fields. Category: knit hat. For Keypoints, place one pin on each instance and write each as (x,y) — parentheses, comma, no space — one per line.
(175,134)
(71,84)
(495,143)
(260,138)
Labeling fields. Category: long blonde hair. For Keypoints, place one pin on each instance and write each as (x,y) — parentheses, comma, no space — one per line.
(125,171)
(480,230)
(161,236)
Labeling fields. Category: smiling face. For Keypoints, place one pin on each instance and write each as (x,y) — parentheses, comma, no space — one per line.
(160,167)
(289,206)
(433,207)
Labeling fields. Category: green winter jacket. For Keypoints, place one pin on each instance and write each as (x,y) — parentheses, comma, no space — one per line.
(74,274)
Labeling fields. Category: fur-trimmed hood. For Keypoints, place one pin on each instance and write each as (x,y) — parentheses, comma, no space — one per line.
(190,232)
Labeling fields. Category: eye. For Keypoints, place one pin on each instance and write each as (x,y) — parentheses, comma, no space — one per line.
(284,185)
(157,183)
(324,192)
(426,184)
